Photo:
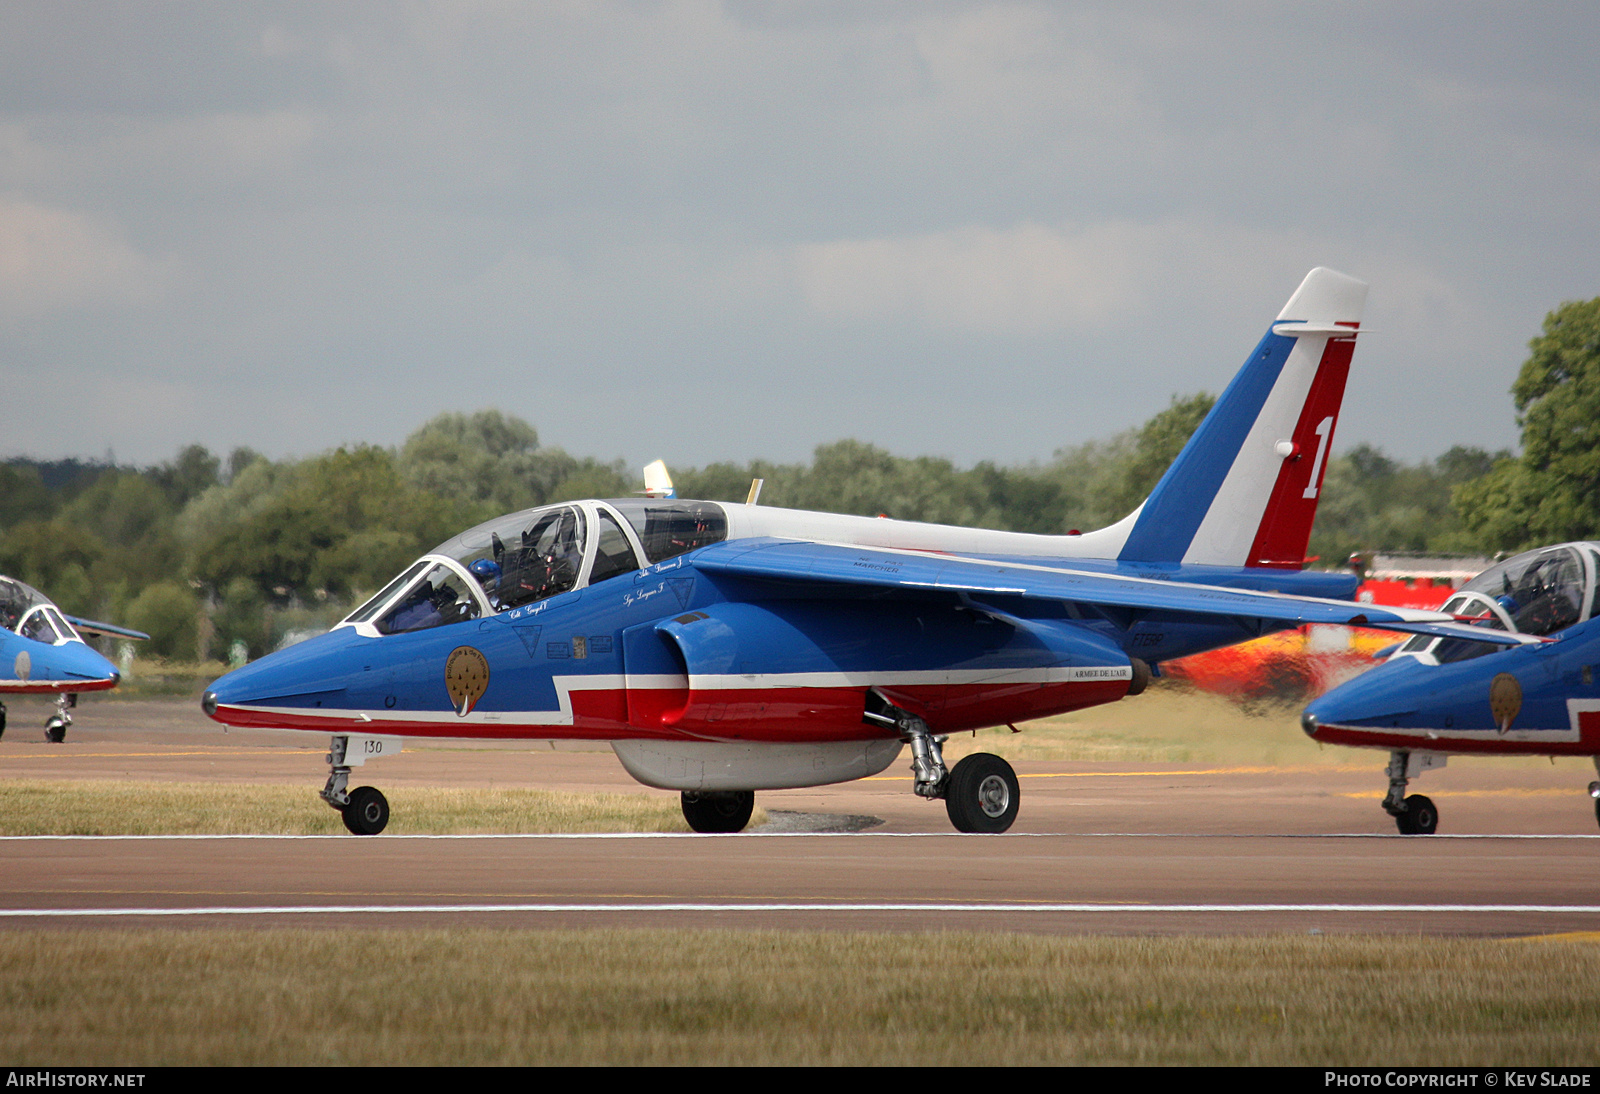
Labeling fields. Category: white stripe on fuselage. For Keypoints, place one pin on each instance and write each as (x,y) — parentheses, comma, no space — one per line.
(1443,736)
(566,685)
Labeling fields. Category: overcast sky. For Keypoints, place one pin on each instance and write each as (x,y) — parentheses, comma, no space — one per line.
(716,231)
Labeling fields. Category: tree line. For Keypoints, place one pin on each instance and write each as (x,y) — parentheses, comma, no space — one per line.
(205,552)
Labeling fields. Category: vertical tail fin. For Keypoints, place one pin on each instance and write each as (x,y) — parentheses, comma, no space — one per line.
(1244,490)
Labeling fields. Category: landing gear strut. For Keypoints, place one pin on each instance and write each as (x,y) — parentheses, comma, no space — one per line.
(718,810)
(980,794)
(365,810)
(55,730)
(1415,815)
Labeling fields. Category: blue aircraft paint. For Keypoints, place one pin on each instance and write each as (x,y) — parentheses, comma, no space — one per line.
(1172,514)
(1455,698)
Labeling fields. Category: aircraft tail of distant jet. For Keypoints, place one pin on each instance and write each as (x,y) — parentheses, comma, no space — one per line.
(1244,490)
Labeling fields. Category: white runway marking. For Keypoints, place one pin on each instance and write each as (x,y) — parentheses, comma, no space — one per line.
(829,835)
(700,908)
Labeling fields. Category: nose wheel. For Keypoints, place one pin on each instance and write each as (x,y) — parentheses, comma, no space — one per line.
(1421,818)
(55,730)
(1414,815)
(367,811)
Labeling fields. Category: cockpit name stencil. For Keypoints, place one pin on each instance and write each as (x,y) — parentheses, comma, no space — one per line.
(637,595)
(466,678)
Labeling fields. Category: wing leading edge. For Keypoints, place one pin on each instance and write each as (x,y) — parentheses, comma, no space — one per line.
(109,630)
(911,571)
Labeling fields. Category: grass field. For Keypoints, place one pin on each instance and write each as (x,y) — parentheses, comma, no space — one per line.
(396,995)
(723,997)
(106,807)
(1169,723)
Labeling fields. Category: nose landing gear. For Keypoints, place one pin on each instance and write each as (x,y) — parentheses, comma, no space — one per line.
(1415,815)
(55,730)
(364,810)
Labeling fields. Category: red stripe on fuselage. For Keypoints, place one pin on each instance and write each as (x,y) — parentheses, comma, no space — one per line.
(1486,742)
(51,687)
(796,714)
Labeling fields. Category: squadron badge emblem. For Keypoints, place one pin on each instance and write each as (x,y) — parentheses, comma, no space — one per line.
(466,678)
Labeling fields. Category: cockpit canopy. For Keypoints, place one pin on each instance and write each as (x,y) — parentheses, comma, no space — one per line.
(530,556)
(1539,592)
(28,612)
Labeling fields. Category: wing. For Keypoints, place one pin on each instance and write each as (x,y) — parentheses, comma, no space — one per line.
(890,568)
(89,626)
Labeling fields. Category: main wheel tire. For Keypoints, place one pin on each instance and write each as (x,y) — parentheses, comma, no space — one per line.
(367,813)
(982,794)
(55,730)
(1421,817)
(718,810)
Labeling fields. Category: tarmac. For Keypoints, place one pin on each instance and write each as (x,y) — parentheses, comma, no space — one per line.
(1099,848)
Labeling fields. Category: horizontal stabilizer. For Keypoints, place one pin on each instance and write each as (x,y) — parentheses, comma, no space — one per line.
(108,630)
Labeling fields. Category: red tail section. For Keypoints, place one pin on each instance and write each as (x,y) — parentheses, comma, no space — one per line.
(1285,529)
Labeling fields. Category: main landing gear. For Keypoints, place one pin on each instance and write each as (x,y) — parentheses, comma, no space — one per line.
(980,793)
(1415,815)
(365,810)
(718,810)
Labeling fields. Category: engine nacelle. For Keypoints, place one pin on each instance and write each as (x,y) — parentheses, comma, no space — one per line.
(800,670)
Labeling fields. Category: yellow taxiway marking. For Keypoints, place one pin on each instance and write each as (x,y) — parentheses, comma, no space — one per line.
(1508,792)
(1136,774)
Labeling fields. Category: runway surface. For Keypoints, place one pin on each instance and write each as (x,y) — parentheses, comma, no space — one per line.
(1101,848)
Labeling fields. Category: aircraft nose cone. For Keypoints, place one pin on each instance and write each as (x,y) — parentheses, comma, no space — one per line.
(1309,723)
(208,703)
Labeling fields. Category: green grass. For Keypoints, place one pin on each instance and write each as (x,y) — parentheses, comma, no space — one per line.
(1170,723)
(401,996)
(103,807)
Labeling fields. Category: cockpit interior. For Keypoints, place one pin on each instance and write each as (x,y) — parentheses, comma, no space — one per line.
(526,557)
(1539,593)
(26,611)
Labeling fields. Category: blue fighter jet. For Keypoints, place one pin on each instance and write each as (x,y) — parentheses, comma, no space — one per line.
(722,649)
(42,653)
(1436,696)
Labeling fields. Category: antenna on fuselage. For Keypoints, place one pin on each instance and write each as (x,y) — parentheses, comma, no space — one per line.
(657,483)
(755,491)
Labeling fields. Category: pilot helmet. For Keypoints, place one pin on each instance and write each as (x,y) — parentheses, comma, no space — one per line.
(486,570)
(1508,602)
